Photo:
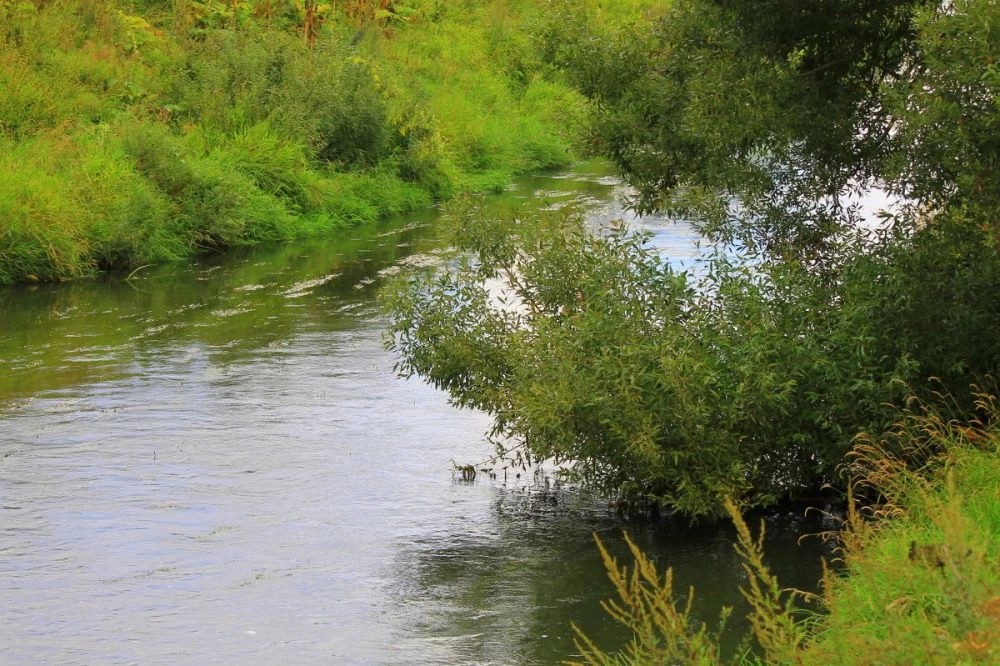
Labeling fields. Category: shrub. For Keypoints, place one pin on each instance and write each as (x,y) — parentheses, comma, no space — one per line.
(325,98)
(749,383)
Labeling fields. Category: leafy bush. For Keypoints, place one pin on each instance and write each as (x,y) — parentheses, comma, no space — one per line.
(326,98)
(752,383)
(603,356)
(749,383)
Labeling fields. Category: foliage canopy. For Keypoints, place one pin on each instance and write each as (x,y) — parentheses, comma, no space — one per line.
(763,119)
(763,123)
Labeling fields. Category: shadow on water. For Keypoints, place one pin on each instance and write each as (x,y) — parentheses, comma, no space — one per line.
(508,593)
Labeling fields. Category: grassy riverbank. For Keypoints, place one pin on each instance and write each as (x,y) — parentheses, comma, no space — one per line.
(924,582)
(138,132)
(920,566)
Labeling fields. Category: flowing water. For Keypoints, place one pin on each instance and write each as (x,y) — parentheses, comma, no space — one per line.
(214,462)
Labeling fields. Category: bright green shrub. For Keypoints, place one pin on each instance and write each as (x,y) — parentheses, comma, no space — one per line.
(274,164)
(213,205)
(554,114)
(382,189)
(425,160)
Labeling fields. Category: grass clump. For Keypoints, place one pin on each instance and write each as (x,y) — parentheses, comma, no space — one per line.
(923,584)
(40,228)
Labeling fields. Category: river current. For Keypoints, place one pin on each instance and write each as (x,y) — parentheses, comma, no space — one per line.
(214,462)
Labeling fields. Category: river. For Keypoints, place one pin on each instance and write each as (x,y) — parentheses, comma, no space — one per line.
(214,462)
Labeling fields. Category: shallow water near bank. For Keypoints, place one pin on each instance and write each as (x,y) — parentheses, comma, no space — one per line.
(215,462)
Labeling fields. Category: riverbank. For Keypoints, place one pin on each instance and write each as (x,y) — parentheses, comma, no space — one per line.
(920,564)
(227,432)
(135,133)
(922,584)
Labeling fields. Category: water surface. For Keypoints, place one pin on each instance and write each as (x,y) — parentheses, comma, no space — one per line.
(215,462)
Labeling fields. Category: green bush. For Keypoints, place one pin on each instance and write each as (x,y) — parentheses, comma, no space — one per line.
(345,110)
(807,327)
(749,383)
(425,161)
(212,205)
(325,98)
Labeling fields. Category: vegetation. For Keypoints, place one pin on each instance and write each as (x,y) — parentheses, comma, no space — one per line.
(921,587)
(136,132)
(764,124)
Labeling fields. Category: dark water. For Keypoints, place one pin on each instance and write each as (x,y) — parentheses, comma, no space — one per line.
(214,463)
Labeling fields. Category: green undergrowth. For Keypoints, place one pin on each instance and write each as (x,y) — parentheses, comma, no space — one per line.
(923,583)
(920,581)
(134,132)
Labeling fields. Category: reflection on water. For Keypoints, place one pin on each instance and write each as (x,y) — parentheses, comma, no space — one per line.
(215,462)
(506,594)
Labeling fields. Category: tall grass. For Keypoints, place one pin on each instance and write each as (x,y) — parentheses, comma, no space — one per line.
(924,583)
(41,234)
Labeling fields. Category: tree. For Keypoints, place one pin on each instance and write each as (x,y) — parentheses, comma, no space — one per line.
(759,121)
(790,106)
(764,121)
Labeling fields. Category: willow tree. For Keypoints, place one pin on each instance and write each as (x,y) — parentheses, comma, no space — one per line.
(766,122)
(761,122)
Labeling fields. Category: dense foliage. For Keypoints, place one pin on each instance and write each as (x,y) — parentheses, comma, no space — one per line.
(135,132)
(791,107)
(763,123)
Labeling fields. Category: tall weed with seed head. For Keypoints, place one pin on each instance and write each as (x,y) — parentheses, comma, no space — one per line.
(663,631)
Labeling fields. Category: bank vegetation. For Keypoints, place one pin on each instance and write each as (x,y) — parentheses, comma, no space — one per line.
(134,132)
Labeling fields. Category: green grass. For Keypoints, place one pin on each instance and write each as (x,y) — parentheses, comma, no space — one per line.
(135,133)
(923,587)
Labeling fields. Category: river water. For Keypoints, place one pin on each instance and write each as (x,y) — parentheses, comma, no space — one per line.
(213,462)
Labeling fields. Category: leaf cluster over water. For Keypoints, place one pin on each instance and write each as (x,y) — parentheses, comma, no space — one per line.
(763,123)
